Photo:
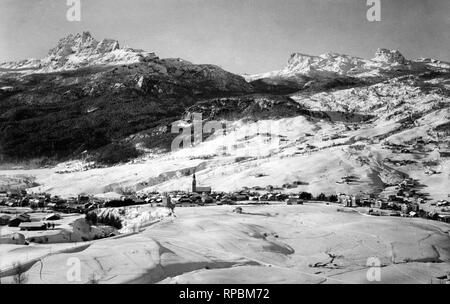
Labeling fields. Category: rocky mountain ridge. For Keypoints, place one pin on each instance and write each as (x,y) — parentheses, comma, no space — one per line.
(385,63)
(78,51)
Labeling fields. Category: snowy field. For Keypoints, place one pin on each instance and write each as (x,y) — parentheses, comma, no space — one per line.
(311,243)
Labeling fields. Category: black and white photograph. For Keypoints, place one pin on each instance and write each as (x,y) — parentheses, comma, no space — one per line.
(226,142)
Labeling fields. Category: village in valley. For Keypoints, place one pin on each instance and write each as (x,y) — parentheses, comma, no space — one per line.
(312,157)
(41,211)
(50,224)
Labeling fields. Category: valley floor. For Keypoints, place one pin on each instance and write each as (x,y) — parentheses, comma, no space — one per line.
(311,243)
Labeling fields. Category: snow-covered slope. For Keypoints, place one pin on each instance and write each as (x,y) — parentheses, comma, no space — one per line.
(265,244)
(319,151)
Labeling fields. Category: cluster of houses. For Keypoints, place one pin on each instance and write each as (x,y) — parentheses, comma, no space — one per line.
(20,198)
(393,202)
(405,201)
(24,222)
(187,199)
(199,195)
(421,144)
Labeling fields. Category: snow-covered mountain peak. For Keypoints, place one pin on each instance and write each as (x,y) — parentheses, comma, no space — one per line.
(79,43)
(300,62)
(389,56)
(80,50)
(326,63)
(385,62)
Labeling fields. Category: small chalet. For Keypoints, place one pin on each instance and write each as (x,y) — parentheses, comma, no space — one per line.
(53,217)
(4,220)
(33,226)
(15,222)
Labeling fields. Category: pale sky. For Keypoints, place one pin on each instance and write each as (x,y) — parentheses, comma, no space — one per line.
(242,36)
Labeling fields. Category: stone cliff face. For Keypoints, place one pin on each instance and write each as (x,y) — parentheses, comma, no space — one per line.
(77,51)
(390,56)
(75,44)
(83,44)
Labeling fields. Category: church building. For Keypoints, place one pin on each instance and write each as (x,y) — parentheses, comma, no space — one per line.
(199,189)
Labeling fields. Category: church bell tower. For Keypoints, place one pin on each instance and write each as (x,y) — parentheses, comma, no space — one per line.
(194,183)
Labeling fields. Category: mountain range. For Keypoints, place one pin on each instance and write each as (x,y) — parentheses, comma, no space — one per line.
(93,108)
